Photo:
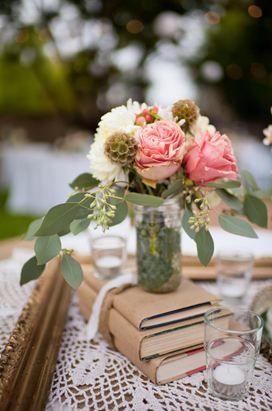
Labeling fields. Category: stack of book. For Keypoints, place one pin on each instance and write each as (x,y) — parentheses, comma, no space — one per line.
(162,334)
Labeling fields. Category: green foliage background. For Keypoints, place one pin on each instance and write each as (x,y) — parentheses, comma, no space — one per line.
(75,84)
(242,45)
(12,225)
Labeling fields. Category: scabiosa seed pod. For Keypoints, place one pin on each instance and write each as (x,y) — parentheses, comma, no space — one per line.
(121,148)
(186,110)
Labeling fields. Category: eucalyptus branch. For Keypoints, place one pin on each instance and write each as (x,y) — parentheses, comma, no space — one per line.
(126,183)
(149,189)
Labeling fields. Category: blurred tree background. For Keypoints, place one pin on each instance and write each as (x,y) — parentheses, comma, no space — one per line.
(64,62)
(237,57)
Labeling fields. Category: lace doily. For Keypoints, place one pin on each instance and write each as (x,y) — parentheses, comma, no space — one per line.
(92,376)
(12,296)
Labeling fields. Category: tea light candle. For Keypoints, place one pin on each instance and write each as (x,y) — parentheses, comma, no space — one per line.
(109,261)
(231,290)
(229,380)
(108,266)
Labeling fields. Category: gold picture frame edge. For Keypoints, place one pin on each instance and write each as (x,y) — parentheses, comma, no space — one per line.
(28,360)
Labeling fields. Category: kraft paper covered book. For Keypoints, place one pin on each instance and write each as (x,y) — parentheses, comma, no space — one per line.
(165,340)
(187,354)
(155,310)
(150,343)
(168,368)
(172,323)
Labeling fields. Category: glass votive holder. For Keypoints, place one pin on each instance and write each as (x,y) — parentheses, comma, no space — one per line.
(108,255)
(233,273)
(232,344)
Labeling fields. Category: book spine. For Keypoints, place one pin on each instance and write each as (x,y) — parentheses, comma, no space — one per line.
(120,328)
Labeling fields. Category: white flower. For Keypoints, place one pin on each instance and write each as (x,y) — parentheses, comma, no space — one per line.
(119,119)
(134,107)
(165,113)
(202,124)
(268,135)
(101,166)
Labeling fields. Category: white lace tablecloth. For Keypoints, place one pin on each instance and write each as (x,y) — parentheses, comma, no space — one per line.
(92,376)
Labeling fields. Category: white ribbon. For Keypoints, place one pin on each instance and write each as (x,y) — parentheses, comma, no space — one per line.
(93,323)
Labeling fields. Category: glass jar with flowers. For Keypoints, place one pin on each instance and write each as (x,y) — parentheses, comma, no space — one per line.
(162,160)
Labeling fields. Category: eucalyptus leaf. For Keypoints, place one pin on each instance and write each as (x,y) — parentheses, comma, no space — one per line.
(144,199)
(59,218)
(120,213)
(75,198)
(255,210)
(249,181)
(205,246)
(31,271)
(236,226)
(64,232)
(81,198)
(225,184)
(77,226)
(185,224)
(262,194)
(32,229)
(84,181)
(47,248)
(230,200)
(72,271)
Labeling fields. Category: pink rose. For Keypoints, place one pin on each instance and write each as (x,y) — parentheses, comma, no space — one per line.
(160,150)
(210,158)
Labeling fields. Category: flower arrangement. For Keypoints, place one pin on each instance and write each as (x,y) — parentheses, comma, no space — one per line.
(144,155)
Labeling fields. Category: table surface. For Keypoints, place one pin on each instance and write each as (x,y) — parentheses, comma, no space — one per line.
(92,376)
